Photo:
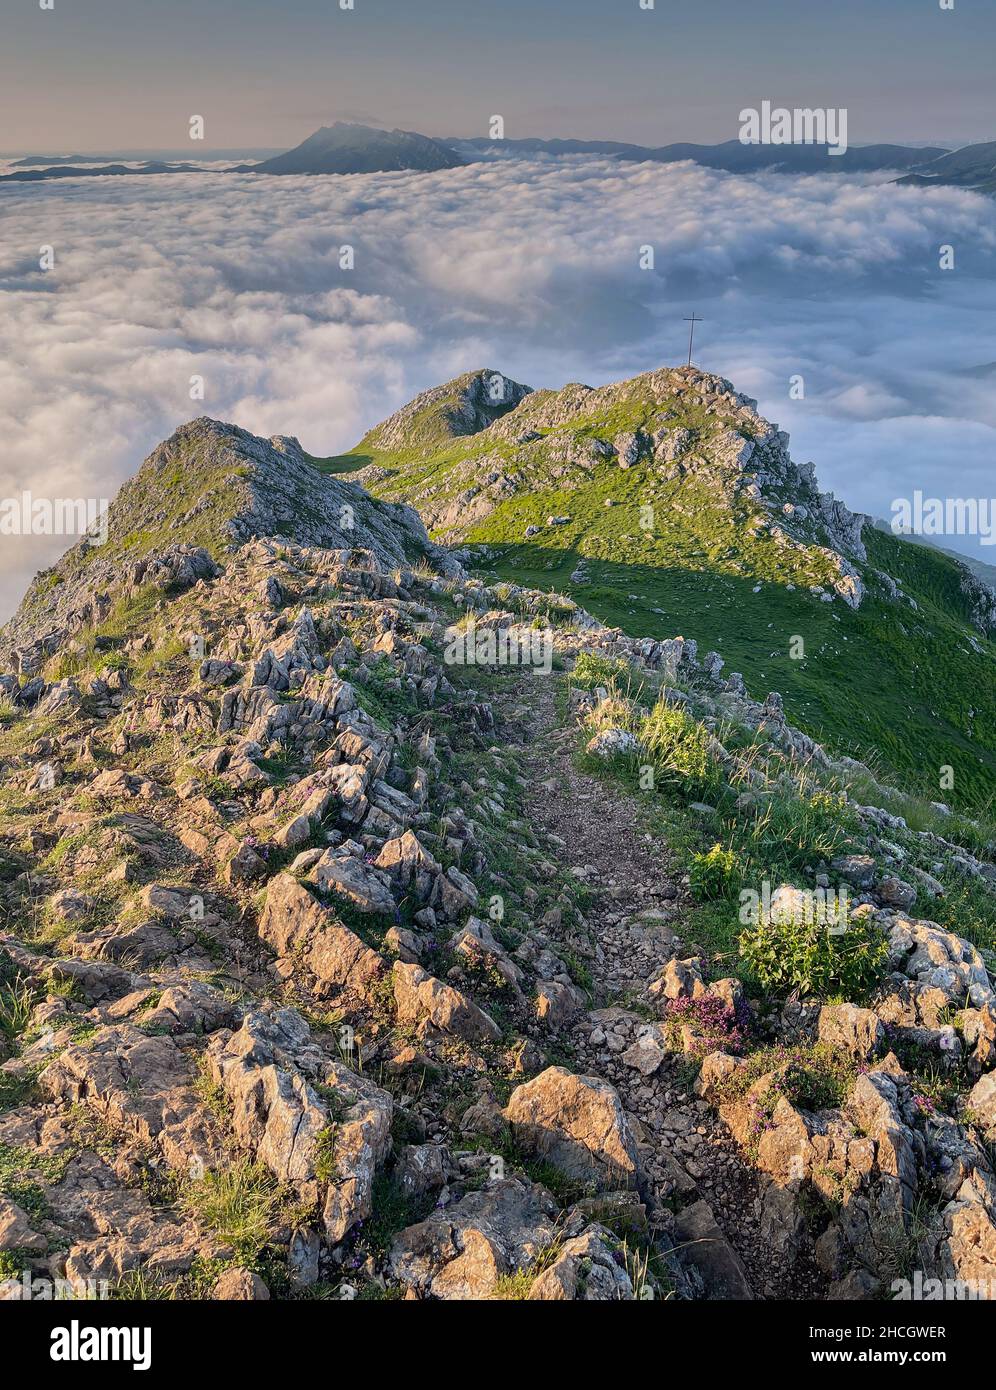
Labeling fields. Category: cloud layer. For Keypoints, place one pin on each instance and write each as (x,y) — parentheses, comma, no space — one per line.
(529,266)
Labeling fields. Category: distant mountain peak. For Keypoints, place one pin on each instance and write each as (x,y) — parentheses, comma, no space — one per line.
(346,147)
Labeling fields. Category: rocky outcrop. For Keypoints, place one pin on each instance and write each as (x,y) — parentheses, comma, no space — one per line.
(301,930)
(317,1125)
(464,1251)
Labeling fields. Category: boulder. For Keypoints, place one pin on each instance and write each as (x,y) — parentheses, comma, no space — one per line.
(365,887)
(427,1003)
(141,1085)
(858,1032)
(577,1124)
(894,892)
(938,959)
(587,1269)
(297,926)
(239,1285)
(422,1168)
(701,1243)
(612,743)
(981,1104)
(463,1251)
(557,1004)
(16,1231)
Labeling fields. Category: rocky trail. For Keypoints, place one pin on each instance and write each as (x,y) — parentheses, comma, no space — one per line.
(327,969)
(698,1173)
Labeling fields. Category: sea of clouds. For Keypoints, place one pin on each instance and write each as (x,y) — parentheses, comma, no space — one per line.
(531,267)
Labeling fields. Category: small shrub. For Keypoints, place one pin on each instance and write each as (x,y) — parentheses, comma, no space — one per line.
(715,874)
(716,1025)
(813,1076)
(807,957)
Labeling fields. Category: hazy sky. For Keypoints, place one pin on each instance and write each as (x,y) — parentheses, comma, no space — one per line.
(126,74)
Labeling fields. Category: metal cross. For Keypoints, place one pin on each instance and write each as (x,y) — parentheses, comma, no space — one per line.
(691,330)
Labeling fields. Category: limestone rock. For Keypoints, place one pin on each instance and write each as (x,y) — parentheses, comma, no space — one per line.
(586,1268)
(426,1002)
(462,1252)
(858,1032)
(577,1123)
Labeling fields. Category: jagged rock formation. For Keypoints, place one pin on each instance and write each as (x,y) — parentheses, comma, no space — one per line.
(216,485)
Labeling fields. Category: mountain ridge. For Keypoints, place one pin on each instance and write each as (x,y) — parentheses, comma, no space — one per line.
(732,156)
(358,911)
(350,147)
(667,500)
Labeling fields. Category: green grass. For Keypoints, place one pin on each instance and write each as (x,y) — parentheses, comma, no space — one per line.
(22,1174)
(880,683)
(241,1205)
(382,696)
(17,1001)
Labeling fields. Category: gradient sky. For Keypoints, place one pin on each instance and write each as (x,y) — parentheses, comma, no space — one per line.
(106,75)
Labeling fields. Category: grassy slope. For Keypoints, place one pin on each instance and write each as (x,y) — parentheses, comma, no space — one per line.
(898,687)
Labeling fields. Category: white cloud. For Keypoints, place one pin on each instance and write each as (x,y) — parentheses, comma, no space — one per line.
(530,266)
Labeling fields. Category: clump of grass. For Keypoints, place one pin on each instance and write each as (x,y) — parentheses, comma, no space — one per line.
(793,822)
(326,1164)
(141,1286)
(214,1096)
(17,1089)
(240,1204)
(592,670)
(17,1002)
(680,749)
(512,1288)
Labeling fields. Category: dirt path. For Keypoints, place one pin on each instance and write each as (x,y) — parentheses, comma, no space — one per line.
(636,915)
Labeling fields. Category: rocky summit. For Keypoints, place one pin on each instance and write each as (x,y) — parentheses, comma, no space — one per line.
(406,894)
